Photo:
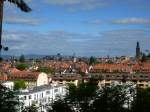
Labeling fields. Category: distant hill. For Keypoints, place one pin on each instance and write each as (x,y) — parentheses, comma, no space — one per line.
(28,56)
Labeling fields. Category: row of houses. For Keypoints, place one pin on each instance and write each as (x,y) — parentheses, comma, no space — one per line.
(122,67)
(33,79)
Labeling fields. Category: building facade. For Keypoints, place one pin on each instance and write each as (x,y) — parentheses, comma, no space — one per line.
(41,96)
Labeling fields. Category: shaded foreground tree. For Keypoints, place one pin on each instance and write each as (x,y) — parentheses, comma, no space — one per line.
(8,101)
(141,101)
(111,99)
(61,106)
(88,98)
(21,4)
(31,108)
(78,98)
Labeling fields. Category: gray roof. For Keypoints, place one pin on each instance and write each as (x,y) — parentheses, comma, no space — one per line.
(37,89)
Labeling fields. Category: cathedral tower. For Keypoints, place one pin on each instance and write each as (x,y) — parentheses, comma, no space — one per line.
(138,53)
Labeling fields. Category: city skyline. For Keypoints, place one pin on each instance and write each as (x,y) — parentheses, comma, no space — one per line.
(86,27)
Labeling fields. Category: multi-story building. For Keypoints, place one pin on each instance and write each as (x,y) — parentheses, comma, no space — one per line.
(66,78)
(41,96)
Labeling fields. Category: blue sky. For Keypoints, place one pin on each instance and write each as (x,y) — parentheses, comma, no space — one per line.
(84,27)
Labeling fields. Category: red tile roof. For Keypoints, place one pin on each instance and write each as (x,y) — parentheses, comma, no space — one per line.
(24,75)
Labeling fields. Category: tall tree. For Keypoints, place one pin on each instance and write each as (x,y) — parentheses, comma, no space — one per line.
(61,106)
(141,101)
(88,98)
(92,60)
(8,101)
(22,59)
(31,108)
(78,98)
(21,4)
(111,99)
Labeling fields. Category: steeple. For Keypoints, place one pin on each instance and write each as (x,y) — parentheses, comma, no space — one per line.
(138,51)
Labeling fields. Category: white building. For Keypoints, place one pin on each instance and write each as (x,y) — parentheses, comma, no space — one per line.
(41,96)
(8,84)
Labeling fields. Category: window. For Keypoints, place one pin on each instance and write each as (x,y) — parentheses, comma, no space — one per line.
(107,76)
(141,85)
(141,76)
(42,95)
(47,92)
(30,96)
(22,98)
(35,97)
(56,90)
(25,97)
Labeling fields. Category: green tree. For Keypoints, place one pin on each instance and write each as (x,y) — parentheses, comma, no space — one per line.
(22,66)
(45,70)
(8,101)
(61,106)
(92,60)
(141,101)
(1,59)
(111,99)
(78,98)
(82,74)
(88,98)
(144,57)
(31,108)
(19,84)
(22,59)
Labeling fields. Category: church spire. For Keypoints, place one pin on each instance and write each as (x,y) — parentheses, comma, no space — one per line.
(138,51)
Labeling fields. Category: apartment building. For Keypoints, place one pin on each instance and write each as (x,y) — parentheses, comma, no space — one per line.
(41,96)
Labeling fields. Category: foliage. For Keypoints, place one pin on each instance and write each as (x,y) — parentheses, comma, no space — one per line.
(31,108)
(88,98)
(141,101)
(19,84)
(61,106)
(1,59)
(78,98)
(145,57)
(8,101)
(93,60)
(110,99)
(22,59)
(22,66)
(46,70)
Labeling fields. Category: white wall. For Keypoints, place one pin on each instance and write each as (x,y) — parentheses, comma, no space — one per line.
(9,84)
(42,79)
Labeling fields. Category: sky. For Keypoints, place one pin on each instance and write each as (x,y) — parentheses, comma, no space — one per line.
(84,27)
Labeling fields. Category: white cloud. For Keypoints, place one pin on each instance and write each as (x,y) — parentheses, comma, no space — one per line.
(63,2)
(115,42)
(79,4)
(22,21)
(131,21)
(93,22)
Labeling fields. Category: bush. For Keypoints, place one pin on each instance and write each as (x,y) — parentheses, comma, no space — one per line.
(22,66)
(20,84)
